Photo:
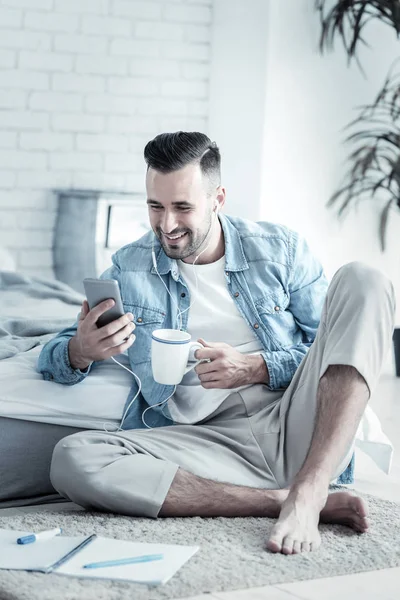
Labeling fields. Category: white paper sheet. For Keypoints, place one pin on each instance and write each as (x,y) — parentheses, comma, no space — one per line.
(40,555)
(153,573)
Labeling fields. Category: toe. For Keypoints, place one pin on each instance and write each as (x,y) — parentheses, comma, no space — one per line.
(274,545)
(296,547)
(365,524)
(275,541)
(305,546)
(359,506)
(287,546)
(314,546)
(362,523)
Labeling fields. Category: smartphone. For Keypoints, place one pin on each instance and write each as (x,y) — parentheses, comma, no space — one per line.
(98,290)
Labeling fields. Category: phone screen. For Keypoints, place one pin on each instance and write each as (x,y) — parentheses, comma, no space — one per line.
(98,290)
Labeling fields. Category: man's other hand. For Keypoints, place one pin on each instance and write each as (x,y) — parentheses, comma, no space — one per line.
(228,368)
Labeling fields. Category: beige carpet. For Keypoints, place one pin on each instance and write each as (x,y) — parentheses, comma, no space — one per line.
(231,556)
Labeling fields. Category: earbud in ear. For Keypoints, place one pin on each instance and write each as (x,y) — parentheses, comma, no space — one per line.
(216,208)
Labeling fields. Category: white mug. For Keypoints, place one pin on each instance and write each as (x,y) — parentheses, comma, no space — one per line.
(170,350)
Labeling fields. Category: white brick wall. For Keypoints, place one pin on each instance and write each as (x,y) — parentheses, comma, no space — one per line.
(84,84)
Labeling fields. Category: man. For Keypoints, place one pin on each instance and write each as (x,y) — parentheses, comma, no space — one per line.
(269,421)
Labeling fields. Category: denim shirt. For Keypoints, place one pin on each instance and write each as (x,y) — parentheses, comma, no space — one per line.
(276,283)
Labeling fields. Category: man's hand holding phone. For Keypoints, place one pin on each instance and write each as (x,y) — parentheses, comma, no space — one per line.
(93,343)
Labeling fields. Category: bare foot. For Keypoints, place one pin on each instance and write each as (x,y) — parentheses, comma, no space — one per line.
(297,527)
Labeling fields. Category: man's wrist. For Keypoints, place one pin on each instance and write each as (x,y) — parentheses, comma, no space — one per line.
(259,369)
(75,360)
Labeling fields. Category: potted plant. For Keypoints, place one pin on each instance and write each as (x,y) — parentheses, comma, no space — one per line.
(374,162)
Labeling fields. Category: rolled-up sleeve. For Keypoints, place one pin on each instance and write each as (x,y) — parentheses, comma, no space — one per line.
(54,364)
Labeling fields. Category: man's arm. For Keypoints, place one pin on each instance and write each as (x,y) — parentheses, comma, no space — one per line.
(259,369)
(54,361)
(58,360)
(75,360)
(307,287)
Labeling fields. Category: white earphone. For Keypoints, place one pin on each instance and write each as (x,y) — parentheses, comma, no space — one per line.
(180,313)
(153,255)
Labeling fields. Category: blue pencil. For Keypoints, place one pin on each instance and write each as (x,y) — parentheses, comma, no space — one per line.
(125,561)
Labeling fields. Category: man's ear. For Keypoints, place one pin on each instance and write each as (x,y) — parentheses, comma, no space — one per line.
(220,199)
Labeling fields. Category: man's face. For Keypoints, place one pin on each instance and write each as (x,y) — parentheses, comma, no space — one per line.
(180,210)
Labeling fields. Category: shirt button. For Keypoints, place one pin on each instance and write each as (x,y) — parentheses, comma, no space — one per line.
(236,294)
(140,320)
(183,295)
(277,308)
(256,325)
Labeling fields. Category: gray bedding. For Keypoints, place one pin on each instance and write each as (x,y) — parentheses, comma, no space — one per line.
(32,310)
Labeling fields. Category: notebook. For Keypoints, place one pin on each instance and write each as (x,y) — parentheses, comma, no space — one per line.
(67,555)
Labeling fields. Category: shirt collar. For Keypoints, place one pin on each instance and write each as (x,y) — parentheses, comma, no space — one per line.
(235,259)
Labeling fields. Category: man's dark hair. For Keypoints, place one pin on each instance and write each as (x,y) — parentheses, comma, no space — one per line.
(169,152)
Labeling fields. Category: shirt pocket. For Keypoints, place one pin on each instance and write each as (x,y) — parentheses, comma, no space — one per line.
(271,310)
(146,321)
(273,303)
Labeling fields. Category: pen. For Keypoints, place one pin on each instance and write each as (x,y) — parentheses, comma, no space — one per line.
(42,535)
(124,561)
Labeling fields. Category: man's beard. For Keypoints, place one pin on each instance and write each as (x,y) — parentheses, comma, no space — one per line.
(177,253)
(192,245)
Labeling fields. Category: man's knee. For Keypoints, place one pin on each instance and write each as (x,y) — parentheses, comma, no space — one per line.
(77,466)
(362,276)
(364,281)
(67,465)
(89,468)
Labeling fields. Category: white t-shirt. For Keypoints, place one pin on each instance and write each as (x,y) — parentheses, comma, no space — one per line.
(214,317)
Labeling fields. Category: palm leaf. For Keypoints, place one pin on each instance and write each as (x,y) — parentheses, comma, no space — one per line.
(383,224)
(374,161)
(350,17)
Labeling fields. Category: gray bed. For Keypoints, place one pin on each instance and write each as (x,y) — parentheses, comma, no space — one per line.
(35,414)
(32,310)
(26,448)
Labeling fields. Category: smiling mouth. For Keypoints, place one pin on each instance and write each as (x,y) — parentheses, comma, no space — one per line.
(174,239)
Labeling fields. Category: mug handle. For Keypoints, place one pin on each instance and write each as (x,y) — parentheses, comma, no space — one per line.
(198,346)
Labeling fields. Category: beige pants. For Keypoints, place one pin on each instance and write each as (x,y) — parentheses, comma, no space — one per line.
(257,438)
